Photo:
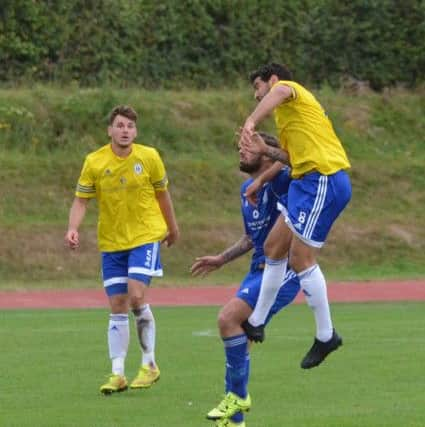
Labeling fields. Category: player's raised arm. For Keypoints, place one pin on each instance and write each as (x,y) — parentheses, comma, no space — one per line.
(268,103)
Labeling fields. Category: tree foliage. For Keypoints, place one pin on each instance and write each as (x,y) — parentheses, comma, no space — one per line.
(211,42)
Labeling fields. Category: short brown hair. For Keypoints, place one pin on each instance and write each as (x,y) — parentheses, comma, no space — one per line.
(122,110)
(270,139)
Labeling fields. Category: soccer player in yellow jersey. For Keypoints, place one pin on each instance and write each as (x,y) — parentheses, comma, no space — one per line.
(318,193)
(136,214)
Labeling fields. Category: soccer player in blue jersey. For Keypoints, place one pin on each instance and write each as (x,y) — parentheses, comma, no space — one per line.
(136,214)
(318,193)
(258,220)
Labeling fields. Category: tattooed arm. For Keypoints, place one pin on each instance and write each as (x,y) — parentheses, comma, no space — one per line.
(257,145)
(204,265)
(277,154)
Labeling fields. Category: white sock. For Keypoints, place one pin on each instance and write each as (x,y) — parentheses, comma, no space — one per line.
(274,272)
(118,339)
(145,324)
(313,284)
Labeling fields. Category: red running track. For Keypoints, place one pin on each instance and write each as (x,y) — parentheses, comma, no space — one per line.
(410,290)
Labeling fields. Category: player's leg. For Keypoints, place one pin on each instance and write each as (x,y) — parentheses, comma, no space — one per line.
(276,249)
(235,342)
(314,287)
(237,366)
(315,201)
(114,269)
(287,293)
(144,262)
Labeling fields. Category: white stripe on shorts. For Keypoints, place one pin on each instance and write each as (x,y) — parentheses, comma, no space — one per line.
(155,254)
(146,271)
(114,281)
(317,207)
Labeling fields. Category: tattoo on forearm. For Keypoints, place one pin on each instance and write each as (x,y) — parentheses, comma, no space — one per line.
(242,246)
(277,154)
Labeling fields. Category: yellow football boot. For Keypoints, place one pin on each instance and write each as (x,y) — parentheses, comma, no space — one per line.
(146,377)
(229,406)
(116,383)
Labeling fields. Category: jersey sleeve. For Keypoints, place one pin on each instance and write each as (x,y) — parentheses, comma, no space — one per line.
(158,176)
(86,187)
(280,183)
(289,84)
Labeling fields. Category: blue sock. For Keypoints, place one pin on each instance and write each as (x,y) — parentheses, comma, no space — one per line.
(227,384)
(236,367)
(238,418)
(248,367)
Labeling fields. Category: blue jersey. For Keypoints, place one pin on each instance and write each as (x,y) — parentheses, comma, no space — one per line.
(259,219)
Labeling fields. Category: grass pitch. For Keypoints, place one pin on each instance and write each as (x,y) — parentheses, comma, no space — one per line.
(54,361)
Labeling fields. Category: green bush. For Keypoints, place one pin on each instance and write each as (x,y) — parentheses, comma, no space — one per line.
(203,43)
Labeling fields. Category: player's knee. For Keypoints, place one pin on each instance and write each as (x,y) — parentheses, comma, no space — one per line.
(136,301)
(118,304)
(299,262)
(225,322)
(273,250)
(270,249)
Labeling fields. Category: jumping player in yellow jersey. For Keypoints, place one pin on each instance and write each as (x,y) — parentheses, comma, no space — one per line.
(136,214)
(318,193)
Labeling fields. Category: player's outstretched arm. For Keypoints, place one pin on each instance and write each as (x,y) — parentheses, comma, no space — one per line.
(206,264)
(76,216)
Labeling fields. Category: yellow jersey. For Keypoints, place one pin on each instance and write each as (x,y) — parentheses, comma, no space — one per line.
(129,214)
(306,133)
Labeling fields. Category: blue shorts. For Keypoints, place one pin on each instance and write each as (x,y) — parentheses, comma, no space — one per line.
(140,263)
(250,289)
(314,203)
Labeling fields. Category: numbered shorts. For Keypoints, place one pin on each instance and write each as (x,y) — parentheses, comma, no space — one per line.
(140,263)
(250,289)
(314,203)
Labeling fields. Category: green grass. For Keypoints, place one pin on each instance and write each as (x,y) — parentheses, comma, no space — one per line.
(54,361)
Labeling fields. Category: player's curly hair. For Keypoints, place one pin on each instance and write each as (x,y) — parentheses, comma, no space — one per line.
(122,110)
(266,71)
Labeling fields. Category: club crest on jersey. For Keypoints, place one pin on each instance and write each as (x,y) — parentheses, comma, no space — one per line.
(255,214)
(138,168)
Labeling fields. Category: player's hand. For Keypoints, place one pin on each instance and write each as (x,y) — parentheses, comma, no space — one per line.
(254,333)
(204,265)
(247,130)
(72,239)
(171,237)
(255,144)
(252,191)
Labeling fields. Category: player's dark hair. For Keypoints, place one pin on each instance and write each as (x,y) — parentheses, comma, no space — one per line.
(270,139)
(266,71)
(122,110)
